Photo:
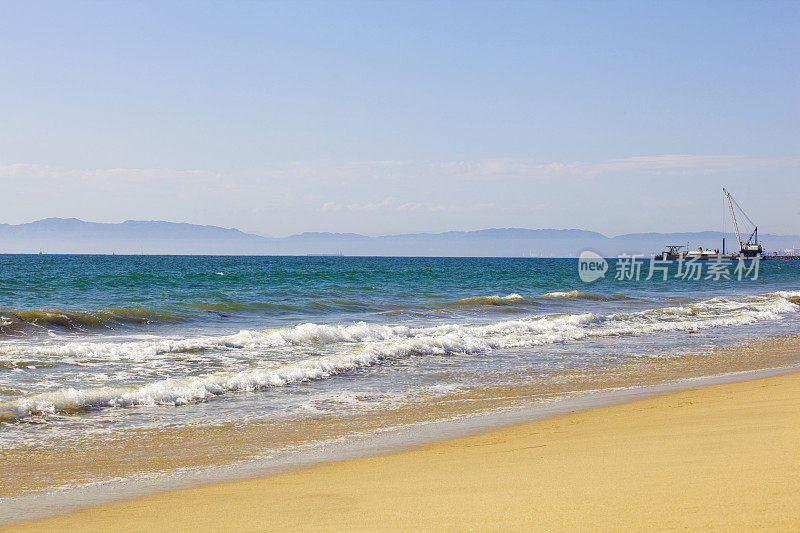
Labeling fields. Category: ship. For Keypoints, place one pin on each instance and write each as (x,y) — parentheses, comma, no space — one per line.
(748,249)
(674,252)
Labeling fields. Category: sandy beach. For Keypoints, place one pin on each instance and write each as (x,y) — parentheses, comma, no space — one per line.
(718,457)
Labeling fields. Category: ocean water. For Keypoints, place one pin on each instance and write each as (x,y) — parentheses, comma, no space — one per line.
(90,344)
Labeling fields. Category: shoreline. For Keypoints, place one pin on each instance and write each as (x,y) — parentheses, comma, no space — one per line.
(735,446)
(51,475)
(61,503)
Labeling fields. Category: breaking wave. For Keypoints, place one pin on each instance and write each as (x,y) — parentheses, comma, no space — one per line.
(361,345)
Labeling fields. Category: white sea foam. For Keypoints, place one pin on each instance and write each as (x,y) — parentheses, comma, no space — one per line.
(182,391)
(575,294)
(302,334)
(359,345)
(562,294)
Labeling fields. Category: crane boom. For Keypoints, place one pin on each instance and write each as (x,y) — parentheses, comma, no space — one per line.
(733,215)
(751,247)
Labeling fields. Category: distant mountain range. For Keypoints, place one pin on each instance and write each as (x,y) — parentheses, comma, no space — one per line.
(70,235)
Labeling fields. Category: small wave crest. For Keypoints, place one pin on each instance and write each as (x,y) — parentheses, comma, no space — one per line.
(584,296)
(24,321)
(483,301)
(316,306)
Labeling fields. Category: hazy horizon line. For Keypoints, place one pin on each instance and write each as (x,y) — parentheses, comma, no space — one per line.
(390,234)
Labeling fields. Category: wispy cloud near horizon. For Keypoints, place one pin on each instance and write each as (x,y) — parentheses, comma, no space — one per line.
(393,204)
(490,168)
(370,196)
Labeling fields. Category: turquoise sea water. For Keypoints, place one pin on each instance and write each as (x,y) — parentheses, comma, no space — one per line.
(92,342)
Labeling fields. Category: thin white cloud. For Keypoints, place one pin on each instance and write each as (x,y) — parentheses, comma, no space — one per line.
(390,204)
(478,169)
(522,168)
(384,196)
(688,164)
(23,170)
(331,206)
(386,203)
(670,164)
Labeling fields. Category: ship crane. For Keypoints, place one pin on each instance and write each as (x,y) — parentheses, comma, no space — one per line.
(750,247)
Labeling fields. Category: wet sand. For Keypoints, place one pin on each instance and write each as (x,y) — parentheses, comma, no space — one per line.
(715,457)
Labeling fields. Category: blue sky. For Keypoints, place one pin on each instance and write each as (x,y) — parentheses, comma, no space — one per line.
(387,117)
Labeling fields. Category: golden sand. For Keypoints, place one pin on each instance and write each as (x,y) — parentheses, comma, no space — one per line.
(717,457)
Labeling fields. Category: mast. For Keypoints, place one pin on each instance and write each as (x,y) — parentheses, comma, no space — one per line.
(733,214)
